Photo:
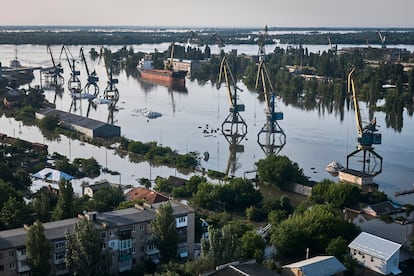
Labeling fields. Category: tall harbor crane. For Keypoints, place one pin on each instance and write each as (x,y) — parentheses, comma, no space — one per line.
(234,124)
(74,83)
(53,74)
(367,137)
(271,129)
(234,128)
(111,92)
(92,81)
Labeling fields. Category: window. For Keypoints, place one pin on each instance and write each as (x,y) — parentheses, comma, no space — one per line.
(11,253)
(1,267)
(103,235)
(60,244)
(141,227)
(133,228)
(59,256)
(133,250)
(23,251)
(372,259)
(12,266)
(23,263)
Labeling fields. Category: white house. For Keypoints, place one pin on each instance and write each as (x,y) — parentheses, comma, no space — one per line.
(375,253)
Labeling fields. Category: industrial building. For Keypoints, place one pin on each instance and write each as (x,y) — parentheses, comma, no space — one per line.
(89,127)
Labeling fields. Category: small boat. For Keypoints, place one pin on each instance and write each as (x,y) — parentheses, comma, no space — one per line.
(334,167)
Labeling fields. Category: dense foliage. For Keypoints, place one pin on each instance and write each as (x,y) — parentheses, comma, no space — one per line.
(280,171)
(84,254)
(38,250)
(313,229)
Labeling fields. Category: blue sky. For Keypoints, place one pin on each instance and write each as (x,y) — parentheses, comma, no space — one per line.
(211,13)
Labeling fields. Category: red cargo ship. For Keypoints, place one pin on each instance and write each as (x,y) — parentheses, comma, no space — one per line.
(164,76)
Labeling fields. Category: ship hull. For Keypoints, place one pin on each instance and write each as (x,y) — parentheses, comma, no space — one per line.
(166,77)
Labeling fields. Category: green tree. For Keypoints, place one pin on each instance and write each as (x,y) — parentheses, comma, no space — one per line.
(65,205)
(38,250)
(279,171)
(314,228)
(337,247)
(165,232)
(84,255)
(223,245)
(107,199)
(250,242)
(13,213)
(43,203)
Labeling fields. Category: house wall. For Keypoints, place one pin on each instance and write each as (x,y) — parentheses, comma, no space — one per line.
(291,271)
(393,262)
(8,265)
(370,262)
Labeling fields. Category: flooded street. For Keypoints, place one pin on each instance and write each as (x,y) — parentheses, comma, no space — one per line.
(190,120)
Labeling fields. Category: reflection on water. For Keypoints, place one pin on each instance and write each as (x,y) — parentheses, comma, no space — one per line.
(316,136)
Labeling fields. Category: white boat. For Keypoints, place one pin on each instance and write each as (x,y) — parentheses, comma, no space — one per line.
(334,167)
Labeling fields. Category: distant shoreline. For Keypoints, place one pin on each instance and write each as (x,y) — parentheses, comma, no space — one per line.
(135,35)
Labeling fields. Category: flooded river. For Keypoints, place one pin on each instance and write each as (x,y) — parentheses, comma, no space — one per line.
(190,119)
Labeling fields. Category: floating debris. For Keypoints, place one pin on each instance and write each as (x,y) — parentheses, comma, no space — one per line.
(101,100)
(145,112)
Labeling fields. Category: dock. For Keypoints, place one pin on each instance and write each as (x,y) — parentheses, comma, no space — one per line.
(405,192)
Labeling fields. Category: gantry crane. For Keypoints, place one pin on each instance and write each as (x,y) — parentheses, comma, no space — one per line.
(367,137)
(234,128)
(92,80)
(234,124)
(271,129)
(74,83)
(54,73)
(111,92)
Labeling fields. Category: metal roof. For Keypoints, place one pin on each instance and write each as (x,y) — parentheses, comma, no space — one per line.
(319,266)
(374,246)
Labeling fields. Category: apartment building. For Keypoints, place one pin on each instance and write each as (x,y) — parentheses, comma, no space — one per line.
(126,233)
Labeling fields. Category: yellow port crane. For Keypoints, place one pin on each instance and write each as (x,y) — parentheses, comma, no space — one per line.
(234,128)
(234,118)
(367,136)
(264,85)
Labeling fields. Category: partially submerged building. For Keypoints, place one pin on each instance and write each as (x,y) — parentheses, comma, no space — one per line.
(87,126)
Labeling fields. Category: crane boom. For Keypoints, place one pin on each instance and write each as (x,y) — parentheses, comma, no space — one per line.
(84,61)
(367,136)
(351,88)
(49,51)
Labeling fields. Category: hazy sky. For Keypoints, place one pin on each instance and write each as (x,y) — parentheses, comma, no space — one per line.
(212,13)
